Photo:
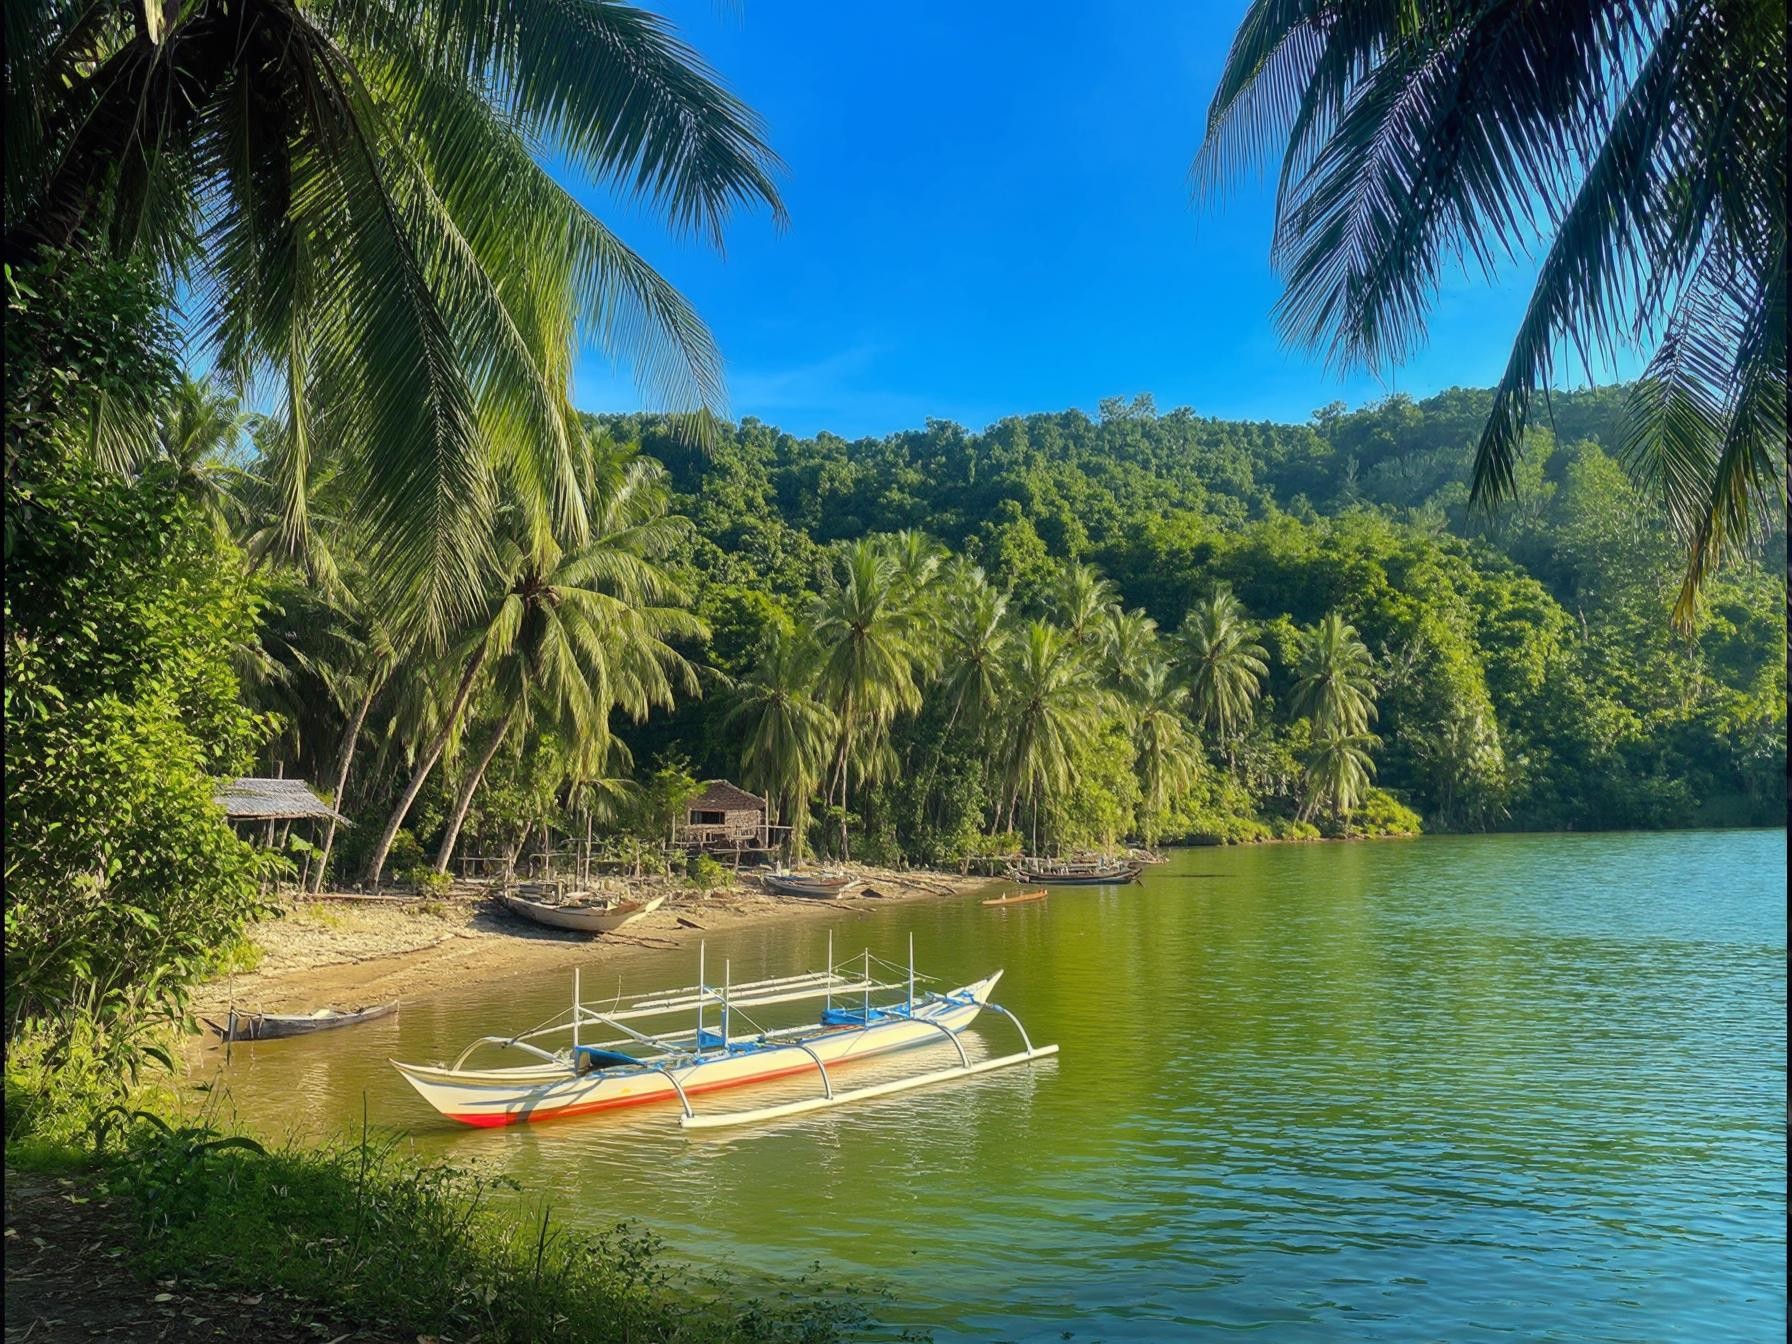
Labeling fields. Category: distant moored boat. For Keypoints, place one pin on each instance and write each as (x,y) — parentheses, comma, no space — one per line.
(1076,872)
(272,1026)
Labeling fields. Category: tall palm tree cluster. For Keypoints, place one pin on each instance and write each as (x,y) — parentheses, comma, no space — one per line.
(567,636)
(907,629)
(352,200)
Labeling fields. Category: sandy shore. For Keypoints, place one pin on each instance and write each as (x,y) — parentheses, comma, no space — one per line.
(344,952)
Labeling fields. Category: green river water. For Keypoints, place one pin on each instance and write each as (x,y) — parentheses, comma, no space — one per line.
(1510,1087)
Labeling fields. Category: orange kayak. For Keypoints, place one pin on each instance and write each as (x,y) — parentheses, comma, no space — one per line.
(1037,894)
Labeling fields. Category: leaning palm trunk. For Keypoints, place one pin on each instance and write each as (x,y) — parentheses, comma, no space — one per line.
(470,786)
(345,757)
(425,763)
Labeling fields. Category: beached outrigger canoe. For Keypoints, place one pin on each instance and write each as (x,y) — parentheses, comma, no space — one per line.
(860,1019)
(814,886)
(602,917)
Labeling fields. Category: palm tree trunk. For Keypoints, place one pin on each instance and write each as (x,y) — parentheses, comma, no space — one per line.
(841,764)
(425,763)
(464,799)
(345,756)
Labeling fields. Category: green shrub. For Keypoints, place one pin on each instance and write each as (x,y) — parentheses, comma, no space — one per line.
(1292,828)
(239,956)
(705,874)
(406,853)
(425,880)
(1383,814)
(1210,828)
(61,1075)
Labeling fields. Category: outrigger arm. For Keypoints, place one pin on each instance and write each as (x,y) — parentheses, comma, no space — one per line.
(830,1098)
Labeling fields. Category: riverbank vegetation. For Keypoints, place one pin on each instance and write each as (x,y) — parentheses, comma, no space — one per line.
(360,1237)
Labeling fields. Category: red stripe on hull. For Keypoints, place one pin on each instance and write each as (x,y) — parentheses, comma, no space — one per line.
(490,1120)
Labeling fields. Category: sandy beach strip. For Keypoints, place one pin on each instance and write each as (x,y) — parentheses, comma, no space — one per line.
(343,952)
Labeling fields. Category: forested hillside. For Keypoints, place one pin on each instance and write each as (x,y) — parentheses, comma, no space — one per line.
(1524,670)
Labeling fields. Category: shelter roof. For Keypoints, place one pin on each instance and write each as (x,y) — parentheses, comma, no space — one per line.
(720,796)
(252,799)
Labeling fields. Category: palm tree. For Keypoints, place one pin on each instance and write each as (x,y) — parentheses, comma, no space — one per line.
(594,632)
(1081,600)
(353,194)
(787,731)
(586,629)
(1168,754)
(1128,649)
(199,433)
(1054,701)
(1338,773)
(1645,143)
(1226,665)
(974,638)
(866,632)
(360,686)
(1335,687)
(917,558)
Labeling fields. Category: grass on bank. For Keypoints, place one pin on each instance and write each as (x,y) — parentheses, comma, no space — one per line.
(362,1229)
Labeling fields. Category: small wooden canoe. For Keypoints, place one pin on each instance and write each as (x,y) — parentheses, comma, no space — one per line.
(272,1026)
(813,886)
(1017,898)
(606,918)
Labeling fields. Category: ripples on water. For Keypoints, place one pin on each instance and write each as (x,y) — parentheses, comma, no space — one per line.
(1457,1089)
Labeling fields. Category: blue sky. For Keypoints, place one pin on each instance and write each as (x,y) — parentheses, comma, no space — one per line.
(990,215)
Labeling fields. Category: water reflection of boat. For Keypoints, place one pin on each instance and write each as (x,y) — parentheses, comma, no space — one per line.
(272,1026)
(862,1016)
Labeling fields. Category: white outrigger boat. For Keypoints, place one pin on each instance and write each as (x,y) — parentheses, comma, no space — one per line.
(586,1076)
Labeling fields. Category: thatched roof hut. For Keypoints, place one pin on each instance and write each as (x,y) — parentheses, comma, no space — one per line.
(724,817)
(272,800)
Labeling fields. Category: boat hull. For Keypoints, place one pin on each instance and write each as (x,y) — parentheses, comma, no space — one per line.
(1118,878)
(815,891)
(576,920)
(274,1026)
(495,1097)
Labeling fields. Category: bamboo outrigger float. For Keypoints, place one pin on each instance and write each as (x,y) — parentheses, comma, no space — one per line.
(586,1076)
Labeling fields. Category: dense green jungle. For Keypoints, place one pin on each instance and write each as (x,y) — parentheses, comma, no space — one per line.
(1522,669)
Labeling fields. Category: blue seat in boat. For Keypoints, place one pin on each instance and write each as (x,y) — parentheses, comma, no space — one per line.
(591,1057)
(849,1017)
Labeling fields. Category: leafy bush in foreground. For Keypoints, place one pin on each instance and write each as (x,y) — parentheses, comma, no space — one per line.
(362,1230)
(124,611)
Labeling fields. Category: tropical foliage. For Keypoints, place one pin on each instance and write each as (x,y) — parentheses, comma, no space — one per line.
(1643,147)
(354,198)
